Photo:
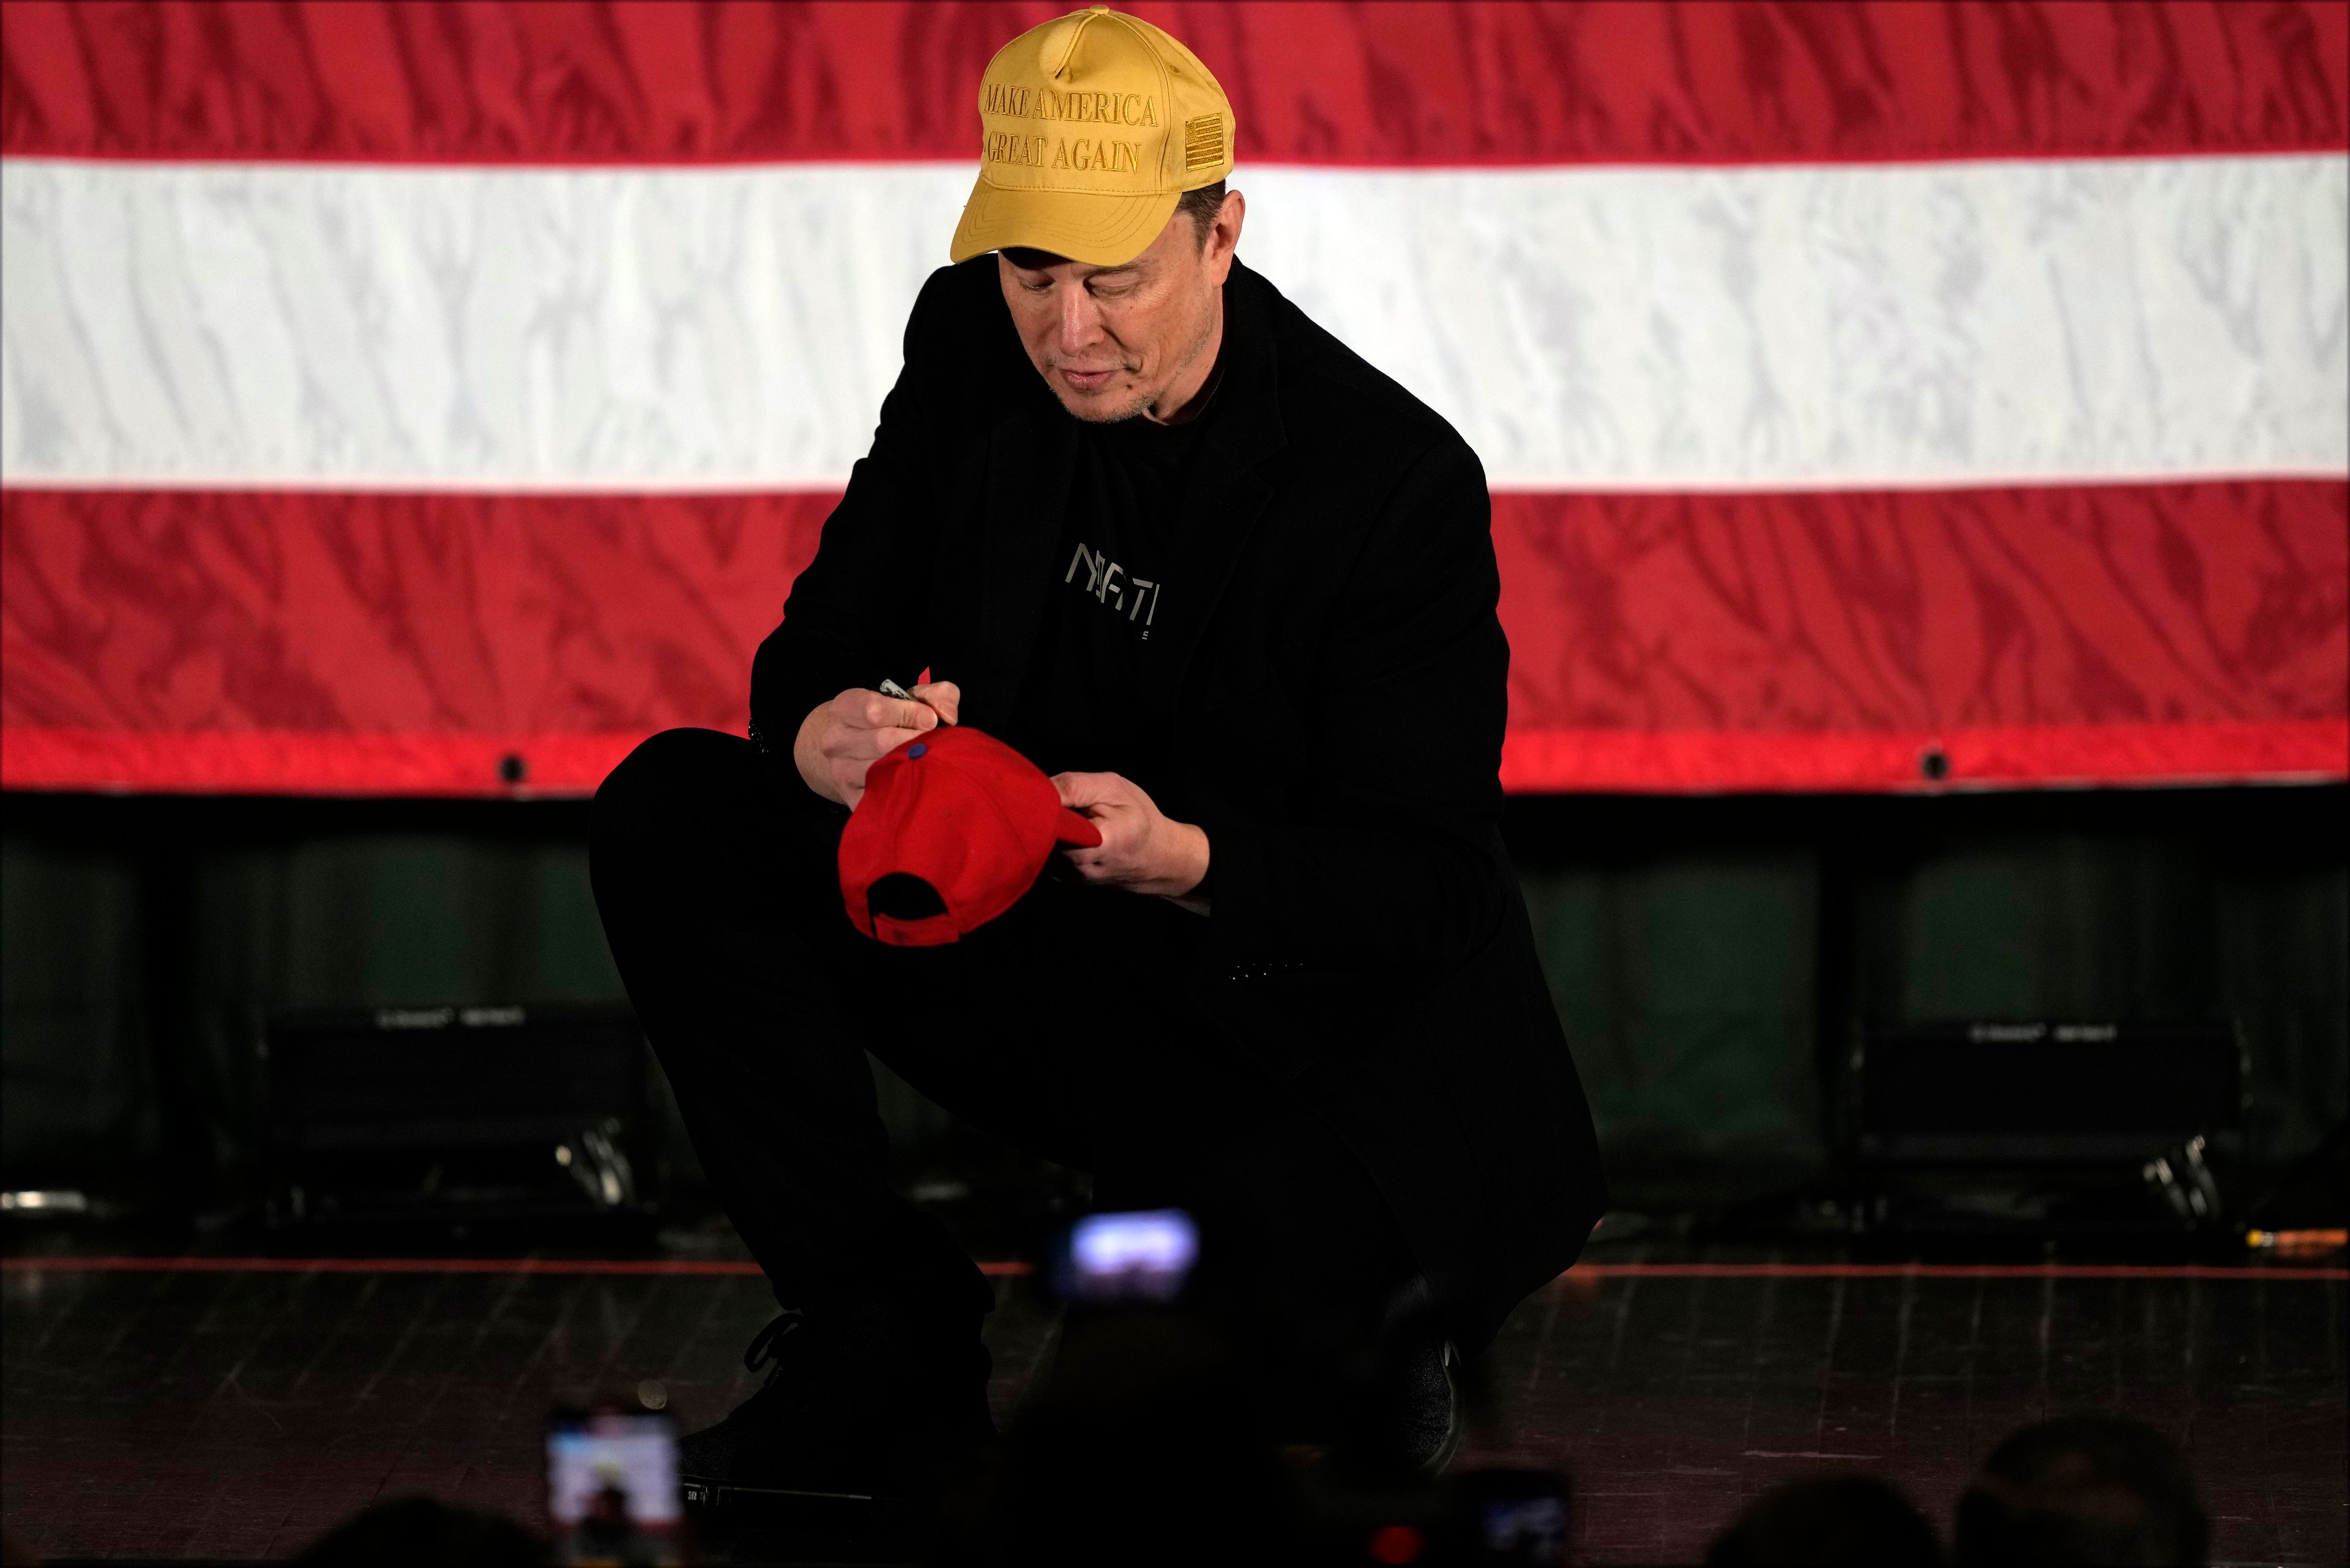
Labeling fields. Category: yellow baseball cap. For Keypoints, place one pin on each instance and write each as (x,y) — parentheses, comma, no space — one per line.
(1091,128)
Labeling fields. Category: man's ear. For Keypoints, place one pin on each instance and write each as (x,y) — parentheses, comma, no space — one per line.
(1223,237)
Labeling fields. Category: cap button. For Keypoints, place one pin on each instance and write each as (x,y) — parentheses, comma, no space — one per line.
(917,749)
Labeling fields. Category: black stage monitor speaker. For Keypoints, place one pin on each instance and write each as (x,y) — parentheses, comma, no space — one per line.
(2043,1127)
(2043,1093)
(456,1116)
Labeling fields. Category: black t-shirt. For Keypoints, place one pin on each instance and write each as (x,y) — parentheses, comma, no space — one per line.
(1078,711)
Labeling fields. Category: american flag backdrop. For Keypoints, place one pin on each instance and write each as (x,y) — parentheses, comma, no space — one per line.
(439,397)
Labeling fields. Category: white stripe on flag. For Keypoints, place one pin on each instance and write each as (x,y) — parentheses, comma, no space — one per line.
(229,326)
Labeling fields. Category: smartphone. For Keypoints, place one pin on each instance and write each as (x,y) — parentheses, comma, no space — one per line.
(1514,1516)
(611,1488)
(1143,1255)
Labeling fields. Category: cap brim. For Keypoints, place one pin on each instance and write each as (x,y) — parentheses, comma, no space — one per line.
(1099,231)
(1071,828)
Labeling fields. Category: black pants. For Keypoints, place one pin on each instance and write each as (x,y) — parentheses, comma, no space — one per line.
(1062,1027)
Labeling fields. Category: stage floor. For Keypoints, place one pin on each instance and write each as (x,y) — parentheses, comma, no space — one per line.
(235,1409)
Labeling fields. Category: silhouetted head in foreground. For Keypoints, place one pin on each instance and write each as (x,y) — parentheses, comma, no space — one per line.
(1138,1449)
(2083,1489)
(411,1529)
(1829,1521)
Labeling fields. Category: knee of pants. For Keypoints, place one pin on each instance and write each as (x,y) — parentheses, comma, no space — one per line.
(677,769)
(669,781)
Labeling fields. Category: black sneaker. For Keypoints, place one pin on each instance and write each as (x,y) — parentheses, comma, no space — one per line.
(1403,1411)
(865,1398)
(1428,1424)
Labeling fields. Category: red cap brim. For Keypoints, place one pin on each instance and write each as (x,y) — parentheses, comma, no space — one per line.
(1071,828)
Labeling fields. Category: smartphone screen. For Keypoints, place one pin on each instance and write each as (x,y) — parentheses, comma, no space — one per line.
(1515,1516)
(611,1488)
(1144,1255)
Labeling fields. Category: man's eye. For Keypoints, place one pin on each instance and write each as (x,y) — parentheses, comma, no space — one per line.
(1036,288)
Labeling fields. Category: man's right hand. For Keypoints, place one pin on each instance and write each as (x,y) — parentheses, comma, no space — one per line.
(838,741)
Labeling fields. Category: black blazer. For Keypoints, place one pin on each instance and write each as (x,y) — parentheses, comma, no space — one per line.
(1328,660)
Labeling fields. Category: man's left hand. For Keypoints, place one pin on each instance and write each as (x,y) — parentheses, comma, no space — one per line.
(1141,850)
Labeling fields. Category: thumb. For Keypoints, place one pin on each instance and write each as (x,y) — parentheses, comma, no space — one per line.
(1078,789)
(943,697)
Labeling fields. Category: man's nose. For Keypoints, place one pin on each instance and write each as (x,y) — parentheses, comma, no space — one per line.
(1081,326)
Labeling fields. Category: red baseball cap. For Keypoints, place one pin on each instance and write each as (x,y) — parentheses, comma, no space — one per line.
(952,828)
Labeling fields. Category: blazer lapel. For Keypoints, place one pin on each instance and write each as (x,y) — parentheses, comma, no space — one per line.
(1031,451)
(1227,493)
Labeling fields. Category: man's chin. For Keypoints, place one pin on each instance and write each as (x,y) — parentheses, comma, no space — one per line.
(1107,407)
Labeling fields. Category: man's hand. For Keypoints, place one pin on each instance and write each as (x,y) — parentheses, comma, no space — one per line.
(1141,850)
(840,740)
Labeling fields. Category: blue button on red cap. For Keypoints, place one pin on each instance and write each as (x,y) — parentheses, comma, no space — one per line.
(917,749)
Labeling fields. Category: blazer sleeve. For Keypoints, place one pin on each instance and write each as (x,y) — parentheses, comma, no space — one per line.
(1395,859)
(855,614)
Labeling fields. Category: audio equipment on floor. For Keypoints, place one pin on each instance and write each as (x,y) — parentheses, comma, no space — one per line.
(456,1116)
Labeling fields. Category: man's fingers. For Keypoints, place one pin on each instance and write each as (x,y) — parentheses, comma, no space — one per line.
(872,711)
(1089,863)
(944,697)
(877,744)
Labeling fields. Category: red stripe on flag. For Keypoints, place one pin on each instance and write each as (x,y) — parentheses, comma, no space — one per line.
(1605,761)
(412,644)
(1644,81)
(309,762)
(487,618)
(1537,762)
(1831,640)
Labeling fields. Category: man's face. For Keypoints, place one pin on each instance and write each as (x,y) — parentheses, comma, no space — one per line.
(1112,342)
